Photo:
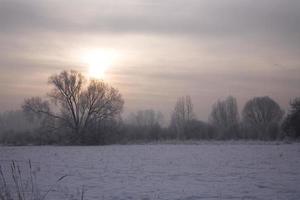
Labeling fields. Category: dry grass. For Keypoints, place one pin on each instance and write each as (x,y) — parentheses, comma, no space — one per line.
(20,187)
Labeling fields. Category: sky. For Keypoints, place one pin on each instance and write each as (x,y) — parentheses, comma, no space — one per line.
(154,51)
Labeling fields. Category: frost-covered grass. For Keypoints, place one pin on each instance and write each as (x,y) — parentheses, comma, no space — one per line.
(16,184)
(215,170)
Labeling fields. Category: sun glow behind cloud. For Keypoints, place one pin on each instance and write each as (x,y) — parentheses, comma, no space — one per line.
(98,61)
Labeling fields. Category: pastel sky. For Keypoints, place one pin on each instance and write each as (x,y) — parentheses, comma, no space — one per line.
(163,49)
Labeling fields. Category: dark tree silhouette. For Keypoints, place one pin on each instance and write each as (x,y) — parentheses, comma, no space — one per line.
(225,118)
(291,124)
(262,115)
(75,106)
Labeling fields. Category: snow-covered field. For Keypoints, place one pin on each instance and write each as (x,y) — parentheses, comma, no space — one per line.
(182,171)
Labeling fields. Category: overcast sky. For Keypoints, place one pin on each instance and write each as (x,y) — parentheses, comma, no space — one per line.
(207,49)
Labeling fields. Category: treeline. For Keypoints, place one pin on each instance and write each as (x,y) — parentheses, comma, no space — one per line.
(78,111)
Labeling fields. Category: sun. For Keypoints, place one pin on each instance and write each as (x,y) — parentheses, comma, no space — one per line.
(98,61)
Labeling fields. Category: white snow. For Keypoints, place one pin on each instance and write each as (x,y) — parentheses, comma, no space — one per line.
(165,171)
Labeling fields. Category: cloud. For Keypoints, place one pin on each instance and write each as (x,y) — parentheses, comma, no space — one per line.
(191,17)
(16,16)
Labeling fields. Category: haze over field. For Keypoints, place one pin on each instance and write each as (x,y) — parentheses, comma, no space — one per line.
(153,51)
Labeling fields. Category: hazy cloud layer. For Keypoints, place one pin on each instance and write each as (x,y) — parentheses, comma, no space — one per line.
(207,48)
(217,18)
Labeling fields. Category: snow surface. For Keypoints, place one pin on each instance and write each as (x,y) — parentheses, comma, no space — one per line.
(165,171)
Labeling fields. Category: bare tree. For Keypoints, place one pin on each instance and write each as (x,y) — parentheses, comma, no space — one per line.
(182,114)
(263,115)
(225,117)
(75,106)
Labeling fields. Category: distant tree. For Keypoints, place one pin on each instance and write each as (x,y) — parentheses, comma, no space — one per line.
(74,106)
(16,129)
(146,118)
(225,117)
(146,124)
(182,114)
(262,116)
(9,119)
(199,130)
(291,124)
